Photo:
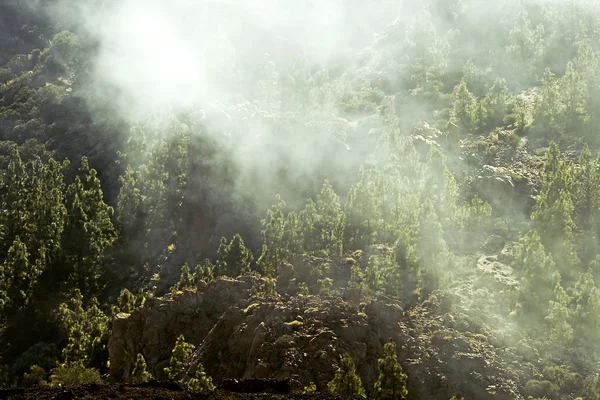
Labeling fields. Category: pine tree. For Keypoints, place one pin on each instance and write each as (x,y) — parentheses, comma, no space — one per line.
(587,310)
(201,382)
(574,91)
(308,226)
(89,231)
(363,209)
(541,277)
(233,259)
(464,105)
(548,107)
(87,329)
(474,78)
(372,278)
(140,372)
(130,209)
(46,211)
(521,113)
(346,381)
(205,272)
(182,352)
(497,102)
(552,213)
(433,251)
(527,43)
(330,221)
(391,382)
(292,236)
(14,215)
(125,302)
(559,318)
(18,279)
(186,279)
(439,194)
(587,63)
(356,277)
(585,190)
(272,233)
(480,116)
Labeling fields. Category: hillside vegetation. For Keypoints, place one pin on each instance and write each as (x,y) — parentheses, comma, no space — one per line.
(441,159)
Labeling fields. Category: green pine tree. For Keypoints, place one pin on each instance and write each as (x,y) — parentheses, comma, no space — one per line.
(233,259)
(130,214)
(125,302)
(574,91)
(464,107)
(89,231)
(541,277)
(140,372)
(205,272)
(18,278)
(497,101)
(201,382)
(186,279)
(553,210)
(14,215)
(87,329)
(346,381)
(181,355)
(273,250)
(331,220)
(391,382)
(307,224)
(549,107)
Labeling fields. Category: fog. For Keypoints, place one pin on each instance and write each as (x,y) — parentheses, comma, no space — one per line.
(177,53)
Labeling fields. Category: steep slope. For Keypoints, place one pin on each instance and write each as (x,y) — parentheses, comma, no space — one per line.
(443,351)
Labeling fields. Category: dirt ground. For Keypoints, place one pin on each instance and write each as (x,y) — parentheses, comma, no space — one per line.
(155,390)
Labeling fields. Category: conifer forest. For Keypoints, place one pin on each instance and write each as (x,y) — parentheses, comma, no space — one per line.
(388,199)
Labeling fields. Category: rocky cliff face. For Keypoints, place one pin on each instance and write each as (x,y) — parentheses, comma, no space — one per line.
(302,337)
(153,329)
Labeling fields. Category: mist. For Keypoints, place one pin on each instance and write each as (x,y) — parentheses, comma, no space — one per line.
(187,52)
(437,157)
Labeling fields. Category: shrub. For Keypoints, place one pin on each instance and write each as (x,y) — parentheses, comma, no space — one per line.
(567,381)
(310,389)
(295,324)
(4,376)
(74,374)
(35,377)
(303,289)
(5,75)
(592,387)
(41,354)
(539,389)
(512,140)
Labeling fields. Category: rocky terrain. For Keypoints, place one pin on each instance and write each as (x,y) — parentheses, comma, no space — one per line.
(302,337)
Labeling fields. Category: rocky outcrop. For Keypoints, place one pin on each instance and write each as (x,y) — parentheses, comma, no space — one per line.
(153,329)
(302,337)
(504,187)
(425,137)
